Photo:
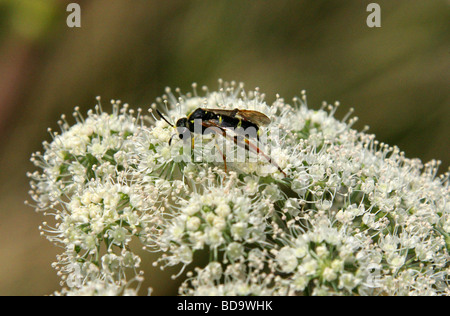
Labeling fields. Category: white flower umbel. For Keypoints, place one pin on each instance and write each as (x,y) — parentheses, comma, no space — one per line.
(317,209)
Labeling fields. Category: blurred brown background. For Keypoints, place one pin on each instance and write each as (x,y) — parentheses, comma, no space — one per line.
(396,77)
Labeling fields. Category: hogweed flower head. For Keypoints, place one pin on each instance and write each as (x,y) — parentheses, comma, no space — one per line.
(351,216)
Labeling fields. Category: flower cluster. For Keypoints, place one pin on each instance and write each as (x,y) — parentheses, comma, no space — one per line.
(321,209)
(98,205)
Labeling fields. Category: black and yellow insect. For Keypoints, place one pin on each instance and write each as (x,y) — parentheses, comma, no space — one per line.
(218,121)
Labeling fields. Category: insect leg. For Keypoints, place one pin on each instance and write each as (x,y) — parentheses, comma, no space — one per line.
(246,144)
(250,146)
(223,156)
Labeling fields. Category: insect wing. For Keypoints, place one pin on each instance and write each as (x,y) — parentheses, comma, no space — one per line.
(254,117)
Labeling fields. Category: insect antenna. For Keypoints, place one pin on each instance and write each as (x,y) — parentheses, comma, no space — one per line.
(162,116)
(171,137)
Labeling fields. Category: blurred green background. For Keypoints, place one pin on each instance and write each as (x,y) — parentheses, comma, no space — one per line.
(396,77)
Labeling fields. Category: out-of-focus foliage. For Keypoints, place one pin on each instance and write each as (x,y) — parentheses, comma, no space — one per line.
(28,19)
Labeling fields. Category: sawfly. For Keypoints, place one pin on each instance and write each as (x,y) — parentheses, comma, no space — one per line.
(220,122)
